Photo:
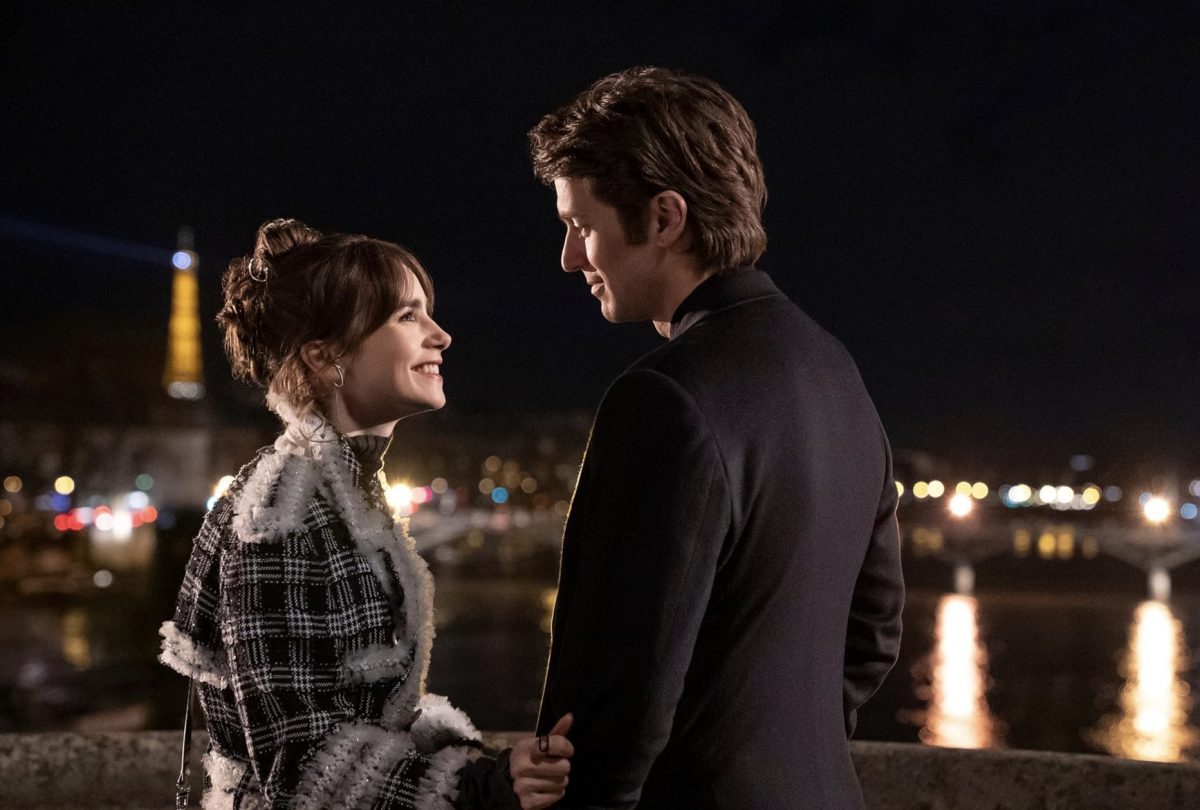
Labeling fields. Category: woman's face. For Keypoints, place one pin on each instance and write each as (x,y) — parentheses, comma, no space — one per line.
(396,371)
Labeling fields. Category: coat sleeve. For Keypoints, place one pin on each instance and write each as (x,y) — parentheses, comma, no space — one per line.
(309,726)
(650,515)
(873,629)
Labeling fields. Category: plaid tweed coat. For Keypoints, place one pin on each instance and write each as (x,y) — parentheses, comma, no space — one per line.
(305,617)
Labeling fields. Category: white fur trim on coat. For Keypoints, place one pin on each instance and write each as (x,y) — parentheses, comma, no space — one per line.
(257,518)
(351,767)
(224,777)
(375,663)
(440,724)
(191,659)
(439,786)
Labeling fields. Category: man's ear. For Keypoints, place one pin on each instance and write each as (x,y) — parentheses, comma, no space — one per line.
(668,220)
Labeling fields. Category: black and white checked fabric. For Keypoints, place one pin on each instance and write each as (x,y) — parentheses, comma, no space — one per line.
(285,614)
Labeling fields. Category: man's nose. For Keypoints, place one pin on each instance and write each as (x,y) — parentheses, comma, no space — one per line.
(573,255)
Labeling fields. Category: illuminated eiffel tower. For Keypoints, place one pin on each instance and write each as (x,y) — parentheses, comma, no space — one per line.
(184,374)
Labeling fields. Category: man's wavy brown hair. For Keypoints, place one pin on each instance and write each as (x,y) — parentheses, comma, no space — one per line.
(648,129)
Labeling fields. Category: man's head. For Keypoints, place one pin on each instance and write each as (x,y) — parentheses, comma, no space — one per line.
(659,183)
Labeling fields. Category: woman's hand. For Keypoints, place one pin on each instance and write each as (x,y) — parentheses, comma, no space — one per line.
(539,766)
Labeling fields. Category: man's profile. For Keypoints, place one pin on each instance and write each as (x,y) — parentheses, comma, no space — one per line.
(730,588)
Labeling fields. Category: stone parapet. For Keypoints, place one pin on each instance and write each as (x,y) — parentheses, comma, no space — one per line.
(136,771)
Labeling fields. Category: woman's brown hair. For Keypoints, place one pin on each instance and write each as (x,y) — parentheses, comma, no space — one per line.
(299,285)
(648,129)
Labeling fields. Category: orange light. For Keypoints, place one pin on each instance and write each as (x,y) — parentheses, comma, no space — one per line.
(149,514)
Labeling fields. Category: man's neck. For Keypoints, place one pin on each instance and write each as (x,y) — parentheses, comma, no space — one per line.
(686,280)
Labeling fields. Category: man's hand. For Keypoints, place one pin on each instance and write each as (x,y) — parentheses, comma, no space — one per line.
(539,766)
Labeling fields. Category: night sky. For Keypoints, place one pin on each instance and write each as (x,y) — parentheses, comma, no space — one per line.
(995,207)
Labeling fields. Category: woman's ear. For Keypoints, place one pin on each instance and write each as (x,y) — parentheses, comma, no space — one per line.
(317,356)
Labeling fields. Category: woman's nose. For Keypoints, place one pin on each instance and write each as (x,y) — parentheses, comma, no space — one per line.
(439,338)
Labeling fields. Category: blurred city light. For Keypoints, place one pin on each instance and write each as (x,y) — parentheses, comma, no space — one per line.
(400,498)
(979,490)
(1064,495)
(64,485)
(1156,509)
(961,505)
(921,490)
(1048,494)
(102,578)
(5,508)
(958,714)
(1188,511)
(962,488)
(1020,494)
(222,486)
(1193,487)
(144,482)
(1091,495)
(936,489)
(899,490)
(183,259)
(486,486)
(492,464)
(499,495)
(529,485)
(439,485)
(1155,702)
(12,484)
(1082,463)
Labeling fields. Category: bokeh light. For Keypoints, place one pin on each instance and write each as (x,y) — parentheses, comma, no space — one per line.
(1156,509)
(961,505)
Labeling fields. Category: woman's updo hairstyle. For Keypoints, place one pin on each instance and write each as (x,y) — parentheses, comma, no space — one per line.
(299,285)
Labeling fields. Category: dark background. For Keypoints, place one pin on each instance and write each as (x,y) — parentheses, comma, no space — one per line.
(995,206)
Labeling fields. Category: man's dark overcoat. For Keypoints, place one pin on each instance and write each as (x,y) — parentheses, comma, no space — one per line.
(730,588)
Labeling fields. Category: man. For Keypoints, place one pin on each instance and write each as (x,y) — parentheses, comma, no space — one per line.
(730,588)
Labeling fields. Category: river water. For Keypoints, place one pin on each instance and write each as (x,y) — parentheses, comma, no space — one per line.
(1041,656)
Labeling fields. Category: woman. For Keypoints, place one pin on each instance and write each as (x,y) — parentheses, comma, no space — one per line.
(305,615)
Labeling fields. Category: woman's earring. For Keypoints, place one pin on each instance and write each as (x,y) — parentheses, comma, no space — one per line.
(341,377)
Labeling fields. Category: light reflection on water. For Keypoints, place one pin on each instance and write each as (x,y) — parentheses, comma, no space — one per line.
(88,661)
(958,714)
(1152,723)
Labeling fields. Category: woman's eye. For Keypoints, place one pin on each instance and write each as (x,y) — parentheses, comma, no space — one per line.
(408,315)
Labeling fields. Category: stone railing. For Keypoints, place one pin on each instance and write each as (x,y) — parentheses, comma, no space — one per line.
(137,770)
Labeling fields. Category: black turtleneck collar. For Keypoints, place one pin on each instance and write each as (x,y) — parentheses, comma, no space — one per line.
(728,288)
(369,451)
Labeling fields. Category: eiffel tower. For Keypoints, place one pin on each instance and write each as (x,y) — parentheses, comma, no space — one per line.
(184,374)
